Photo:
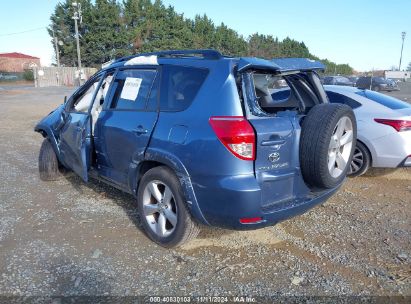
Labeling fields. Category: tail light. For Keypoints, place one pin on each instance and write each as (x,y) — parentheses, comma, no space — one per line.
(399,125)
(236,134)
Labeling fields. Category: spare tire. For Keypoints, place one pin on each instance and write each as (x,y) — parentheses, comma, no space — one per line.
(327,142)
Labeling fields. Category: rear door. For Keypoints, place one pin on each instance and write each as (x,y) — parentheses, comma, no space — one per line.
(276,140)
(275,115)
(125,125)
(75,134)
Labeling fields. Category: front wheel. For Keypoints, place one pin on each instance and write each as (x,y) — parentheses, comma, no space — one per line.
(361,161)
(49,167)
(162,208)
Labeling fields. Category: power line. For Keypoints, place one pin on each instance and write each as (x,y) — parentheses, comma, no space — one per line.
(27,31)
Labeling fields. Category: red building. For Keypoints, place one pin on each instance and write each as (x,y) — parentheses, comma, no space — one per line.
(17,62)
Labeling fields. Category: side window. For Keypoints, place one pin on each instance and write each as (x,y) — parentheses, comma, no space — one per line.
(83,100)
(179,86)
(387,101)
(339,98)
(103,91)
(100,97)
(152,103)
(131,89)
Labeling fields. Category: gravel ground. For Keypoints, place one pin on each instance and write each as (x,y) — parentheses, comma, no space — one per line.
(71,238)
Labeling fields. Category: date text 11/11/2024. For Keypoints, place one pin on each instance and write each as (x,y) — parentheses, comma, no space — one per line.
(202,299)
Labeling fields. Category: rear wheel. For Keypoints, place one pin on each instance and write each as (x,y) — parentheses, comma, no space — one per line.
(163,210)
(361,160)
(328,136)
(49,166)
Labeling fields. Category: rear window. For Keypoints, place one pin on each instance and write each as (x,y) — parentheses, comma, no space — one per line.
(339,98)
(387,101)
(272,92)
(179,86)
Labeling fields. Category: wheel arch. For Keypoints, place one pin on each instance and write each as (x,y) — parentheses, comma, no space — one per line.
(156,157)
(46,132)
(366,145)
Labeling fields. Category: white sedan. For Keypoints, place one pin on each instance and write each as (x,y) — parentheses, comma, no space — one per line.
(384,128)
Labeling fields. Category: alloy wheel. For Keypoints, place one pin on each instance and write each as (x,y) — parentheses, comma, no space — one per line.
(357,161)
(160,208)
(340,147)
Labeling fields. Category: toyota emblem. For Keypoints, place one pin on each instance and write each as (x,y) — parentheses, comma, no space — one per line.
(273,157)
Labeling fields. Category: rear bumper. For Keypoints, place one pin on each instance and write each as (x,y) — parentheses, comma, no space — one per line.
(391,151)
(224,201)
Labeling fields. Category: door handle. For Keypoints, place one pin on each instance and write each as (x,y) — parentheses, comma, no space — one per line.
(140,130)
(272,142)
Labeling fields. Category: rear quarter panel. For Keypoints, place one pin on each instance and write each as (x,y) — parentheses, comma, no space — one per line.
(188,135)
(186,142)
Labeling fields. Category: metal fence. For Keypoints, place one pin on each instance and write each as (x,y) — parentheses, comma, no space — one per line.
(61,76)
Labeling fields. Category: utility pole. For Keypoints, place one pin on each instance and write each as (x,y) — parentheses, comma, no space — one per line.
(56,45)
(77,16)
(402,47)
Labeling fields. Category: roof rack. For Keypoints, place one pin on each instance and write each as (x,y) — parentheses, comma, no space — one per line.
(205,54)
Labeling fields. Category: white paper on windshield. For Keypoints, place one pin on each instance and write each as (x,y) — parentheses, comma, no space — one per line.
(131,88)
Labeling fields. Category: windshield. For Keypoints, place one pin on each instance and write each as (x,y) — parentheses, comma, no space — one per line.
(378,79)
(387,101)
(343,79)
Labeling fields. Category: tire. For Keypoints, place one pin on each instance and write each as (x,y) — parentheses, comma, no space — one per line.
(324,159)
(376,89)
(361,161)
(49,167)
(168,223)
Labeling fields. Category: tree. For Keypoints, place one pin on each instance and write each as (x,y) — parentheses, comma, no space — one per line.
(104,37)
(63,27)
(263,46)
(292,48)
(203,32)
(111,29)
(136,22)
(409,67)
(229,42)
(99,25)
(153,27)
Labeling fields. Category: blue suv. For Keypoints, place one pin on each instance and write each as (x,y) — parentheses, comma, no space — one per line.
(204,139)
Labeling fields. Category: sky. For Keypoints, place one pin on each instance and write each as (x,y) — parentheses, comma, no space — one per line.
(363,33)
